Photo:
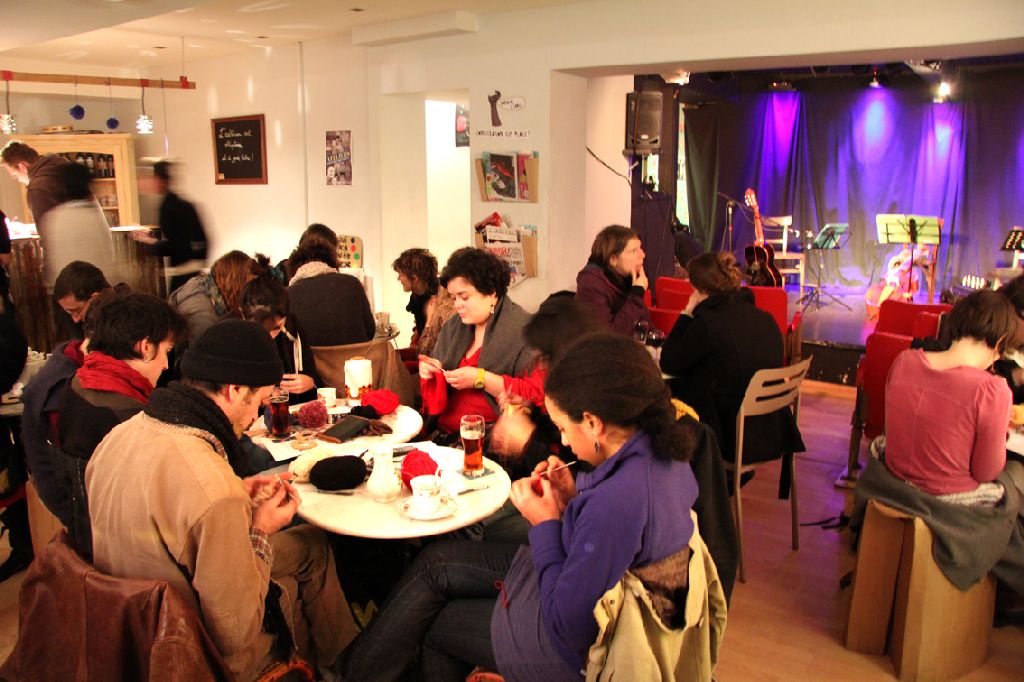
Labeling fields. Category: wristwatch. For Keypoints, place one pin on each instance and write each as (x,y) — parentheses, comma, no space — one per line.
(480,374)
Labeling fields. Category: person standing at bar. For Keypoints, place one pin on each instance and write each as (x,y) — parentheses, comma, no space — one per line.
(42,175)
(183,239)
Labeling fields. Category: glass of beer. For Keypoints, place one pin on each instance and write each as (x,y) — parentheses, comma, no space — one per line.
(280,420)
(471,429)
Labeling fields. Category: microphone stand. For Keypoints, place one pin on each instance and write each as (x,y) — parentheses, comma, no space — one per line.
(729,208)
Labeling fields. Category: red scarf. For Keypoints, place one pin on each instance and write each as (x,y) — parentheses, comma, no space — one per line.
(100,372)
(73,351)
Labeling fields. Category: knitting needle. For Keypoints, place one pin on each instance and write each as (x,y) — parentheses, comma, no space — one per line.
(549,471)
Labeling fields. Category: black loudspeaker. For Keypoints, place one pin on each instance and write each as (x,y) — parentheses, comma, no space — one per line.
(643,122)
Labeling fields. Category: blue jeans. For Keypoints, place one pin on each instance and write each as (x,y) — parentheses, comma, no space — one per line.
(442,605)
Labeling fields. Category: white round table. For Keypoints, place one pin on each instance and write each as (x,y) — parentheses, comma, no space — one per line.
(359,515)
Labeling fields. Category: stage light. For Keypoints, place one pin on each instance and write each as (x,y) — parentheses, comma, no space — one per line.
(679,78)
(945,89)
(781,86)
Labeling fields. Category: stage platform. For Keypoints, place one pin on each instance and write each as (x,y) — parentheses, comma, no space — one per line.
(832,334)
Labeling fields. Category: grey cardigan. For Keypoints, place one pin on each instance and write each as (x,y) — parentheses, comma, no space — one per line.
(968,541)
(503,352)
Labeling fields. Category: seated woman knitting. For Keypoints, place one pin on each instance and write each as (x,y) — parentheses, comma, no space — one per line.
(528,611)
(478,348)
(944,452)
(264,300)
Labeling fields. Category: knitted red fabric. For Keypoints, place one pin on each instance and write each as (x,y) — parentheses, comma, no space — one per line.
(383,400)
(417,463)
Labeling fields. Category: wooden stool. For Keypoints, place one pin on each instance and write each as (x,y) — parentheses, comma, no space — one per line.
(935,631)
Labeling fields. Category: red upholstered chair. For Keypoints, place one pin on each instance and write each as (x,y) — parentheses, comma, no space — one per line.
(673,299)
(897,317)
(926,325)
(664,319)
(869,409)
(647,297)
(773,300)
(680,290)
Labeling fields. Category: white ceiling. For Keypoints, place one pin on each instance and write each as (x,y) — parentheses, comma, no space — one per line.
(137,34)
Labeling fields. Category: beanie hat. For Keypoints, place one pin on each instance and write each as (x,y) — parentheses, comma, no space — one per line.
(233,352)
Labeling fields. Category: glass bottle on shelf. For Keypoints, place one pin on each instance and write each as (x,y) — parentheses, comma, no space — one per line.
(101,166)
(80,159)
(90,163)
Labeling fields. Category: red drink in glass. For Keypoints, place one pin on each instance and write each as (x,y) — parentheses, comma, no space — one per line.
(280,420)
(472,431)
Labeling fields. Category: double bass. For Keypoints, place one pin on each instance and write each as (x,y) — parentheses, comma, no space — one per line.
(901,280)
(760,257)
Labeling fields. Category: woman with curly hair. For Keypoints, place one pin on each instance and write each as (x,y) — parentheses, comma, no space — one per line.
(430,305)
(714,349)
(528,611)
(331,308)
(613,282)
(209,298)
(480,347)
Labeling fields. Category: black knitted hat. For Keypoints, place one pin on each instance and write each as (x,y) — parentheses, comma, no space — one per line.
(233,352)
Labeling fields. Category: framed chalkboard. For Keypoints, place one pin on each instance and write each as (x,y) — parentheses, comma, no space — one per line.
(240,150)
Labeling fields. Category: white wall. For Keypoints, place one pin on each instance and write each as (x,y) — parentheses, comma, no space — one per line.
(448,179)
(608,195)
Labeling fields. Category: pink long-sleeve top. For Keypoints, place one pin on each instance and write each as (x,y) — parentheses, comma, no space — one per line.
(945,429)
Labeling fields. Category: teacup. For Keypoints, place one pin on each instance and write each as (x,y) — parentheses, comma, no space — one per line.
(426,495)
(329,396)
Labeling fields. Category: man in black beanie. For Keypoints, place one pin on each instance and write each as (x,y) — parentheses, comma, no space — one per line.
(166,501)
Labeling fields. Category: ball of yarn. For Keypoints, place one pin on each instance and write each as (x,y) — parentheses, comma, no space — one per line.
(417,463)
(338,473)
(382,400)
(313,414)
(77,112)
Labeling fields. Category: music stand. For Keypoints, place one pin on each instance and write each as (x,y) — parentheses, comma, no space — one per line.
(1014,241)
(829,238)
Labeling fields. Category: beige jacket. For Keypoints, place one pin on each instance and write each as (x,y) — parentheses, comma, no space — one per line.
(163,500)
(633,643)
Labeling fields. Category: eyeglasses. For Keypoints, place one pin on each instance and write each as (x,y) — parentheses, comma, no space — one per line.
(77,312)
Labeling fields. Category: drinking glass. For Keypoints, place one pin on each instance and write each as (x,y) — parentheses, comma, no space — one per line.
(280,420)
(472,430)
(640,330)
(656,339)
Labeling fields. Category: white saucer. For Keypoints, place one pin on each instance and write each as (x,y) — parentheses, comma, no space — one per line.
(447,508)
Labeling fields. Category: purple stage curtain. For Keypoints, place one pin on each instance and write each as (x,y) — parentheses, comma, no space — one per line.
(842,153)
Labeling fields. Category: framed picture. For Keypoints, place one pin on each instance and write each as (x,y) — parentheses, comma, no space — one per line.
(240,150)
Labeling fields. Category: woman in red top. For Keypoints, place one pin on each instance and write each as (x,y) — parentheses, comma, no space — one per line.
(946,414)
(478,347)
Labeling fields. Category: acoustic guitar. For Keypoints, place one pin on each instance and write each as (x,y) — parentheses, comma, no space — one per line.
(761,268)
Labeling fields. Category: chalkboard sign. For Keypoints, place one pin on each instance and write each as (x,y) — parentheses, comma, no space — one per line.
(240,151)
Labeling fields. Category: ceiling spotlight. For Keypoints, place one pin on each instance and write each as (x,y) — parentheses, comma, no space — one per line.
(945,89)
(679,78)
(878,80)
(781,86)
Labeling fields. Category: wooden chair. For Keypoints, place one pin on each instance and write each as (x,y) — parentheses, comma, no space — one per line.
(769,390)
(388,369)
(934,631)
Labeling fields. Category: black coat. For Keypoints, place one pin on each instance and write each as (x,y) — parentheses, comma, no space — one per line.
(331,310)
(713,355)
(184,237)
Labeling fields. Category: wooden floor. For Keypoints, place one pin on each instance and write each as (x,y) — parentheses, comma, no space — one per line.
(786,622)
